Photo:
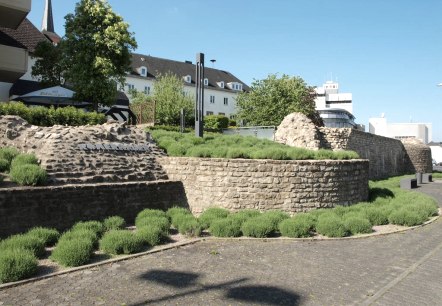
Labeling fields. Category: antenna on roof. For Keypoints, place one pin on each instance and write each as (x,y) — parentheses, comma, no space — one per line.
(213,62)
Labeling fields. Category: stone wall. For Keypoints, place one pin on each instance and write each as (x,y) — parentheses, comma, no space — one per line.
(387,156)
(61,206)
(292,186)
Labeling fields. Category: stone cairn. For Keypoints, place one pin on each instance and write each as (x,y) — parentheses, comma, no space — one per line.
(112,152)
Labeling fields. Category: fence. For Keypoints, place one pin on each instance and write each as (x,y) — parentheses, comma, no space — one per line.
(262,132)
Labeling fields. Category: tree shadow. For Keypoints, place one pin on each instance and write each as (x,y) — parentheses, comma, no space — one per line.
(171,278)
(266,295)
(377,192)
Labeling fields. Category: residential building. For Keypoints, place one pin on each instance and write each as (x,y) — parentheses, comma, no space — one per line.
(335,108)
(220,87)
(14,55)
(420,131)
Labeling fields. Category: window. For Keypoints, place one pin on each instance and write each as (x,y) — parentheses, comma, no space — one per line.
(187,79)
(226,101)
(209,113)
(221,84)
(212,99)
(232,117)
(143,71)
(147,90)
(222,114)
(130,86)
(206,82)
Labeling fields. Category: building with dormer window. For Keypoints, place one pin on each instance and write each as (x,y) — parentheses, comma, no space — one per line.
(220,87)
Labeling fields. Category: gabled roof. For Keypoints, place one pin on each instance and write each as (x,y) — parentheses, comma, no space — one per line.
(26,36)
(156,66)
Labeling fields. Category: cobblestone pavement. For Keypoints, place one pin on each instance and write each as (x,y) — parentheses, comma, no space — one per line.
(397,269)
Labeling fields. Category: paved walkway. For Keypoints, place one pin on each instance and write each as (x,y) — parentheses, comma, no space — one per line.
(398,269)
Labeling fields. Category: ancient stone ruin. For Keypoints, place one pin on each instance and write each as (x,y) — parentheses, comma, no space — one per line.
(110,152)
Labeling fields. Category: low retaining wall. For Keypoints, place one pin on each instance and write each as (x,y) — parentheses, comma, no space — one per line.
(292,186)
(61,206)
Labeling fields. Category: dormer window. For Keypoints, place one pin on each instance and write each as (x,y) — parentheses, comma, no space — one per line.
(187,79)
(142,71)
(234,86)
(206,82)
(220,84)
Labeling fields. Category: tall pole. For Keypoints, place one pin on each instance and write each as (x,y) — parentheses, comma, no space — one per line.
(199,97)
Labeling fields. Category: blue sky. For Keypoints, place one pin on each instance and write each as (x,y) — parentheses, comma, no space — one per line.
(387,53)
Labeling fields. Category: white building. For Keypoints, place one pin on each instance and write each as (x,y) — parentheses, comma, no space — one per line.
(220,87)
(420,131)
(335,108)
(436,151)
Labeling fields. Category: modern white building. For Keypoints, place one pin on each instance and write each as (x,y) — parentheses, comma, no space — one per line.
(436,151)
(335,108)
(420,131)
(220,87)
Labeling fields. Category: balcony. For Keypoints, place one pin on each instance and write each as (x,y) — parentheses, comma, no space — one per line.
(12,13)
(13,63)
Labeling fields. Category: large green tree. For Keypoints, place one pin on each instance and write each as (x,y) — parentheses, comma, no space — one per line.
(97,47)
(49,66)
(170,98)
(271,99)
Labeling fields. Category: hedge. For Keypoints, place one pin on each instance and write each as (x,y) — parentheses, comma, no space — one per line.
(43,116)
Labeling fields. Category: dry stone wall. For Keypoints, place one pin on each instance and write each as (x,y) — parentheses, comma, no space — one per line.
(61,206)
(387,156)
(292,186)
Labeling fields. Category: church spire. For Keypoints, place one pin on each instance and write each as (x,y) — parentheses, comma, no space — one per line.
(48,20)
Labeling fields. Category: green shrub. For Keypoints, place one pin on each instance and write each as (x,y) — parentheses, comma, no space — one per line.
(95,226)
(226,227)
(8,153)
(24,159)
(176,149)
(211,214)
(114,223)
(151,235)
(27,242)
(79,234)
(276,216)
(377,215)
(358,225)
(15,109)
(28,175)
(48,235)
(188,225)
(296,227)
(16,264)
(150,213)
(216,122)
(244,215)
(4,165)
(199,151)
(406,217)
(121,242)
(160,222)
(331,225)
(175,211)
(73,252)
(258,227)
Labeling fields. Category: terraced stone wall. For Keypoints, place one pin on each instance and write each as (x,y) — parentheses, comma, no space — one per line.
(61,206)
(292,186)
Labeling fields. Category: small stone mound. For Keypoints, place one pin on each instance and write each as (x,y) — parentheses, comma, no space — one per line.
(297,130)
(419,156)
(112,152)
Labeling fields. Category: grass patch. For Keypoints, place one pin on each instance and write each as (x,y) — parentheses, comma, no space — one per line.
(234,146)
(24,159)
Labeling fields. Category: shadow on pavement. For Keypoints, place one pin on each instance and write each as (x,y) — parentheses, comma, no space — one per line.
(266,295)
(233,290)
